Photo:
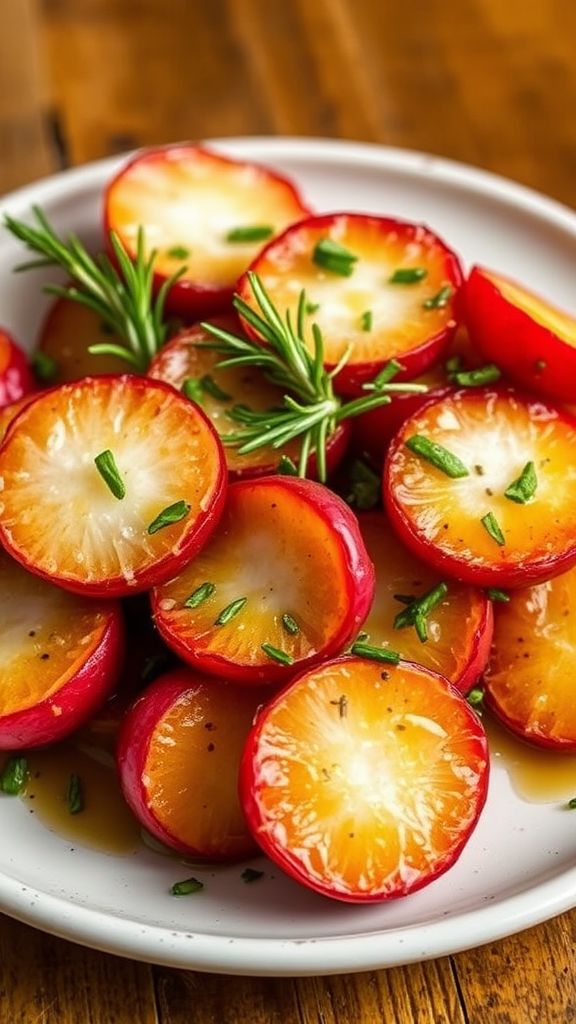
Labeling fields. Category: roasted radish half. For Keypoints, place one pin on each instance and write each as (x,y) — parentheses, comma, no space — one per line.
(284,582)
(178,755)
(15,377)
(189,367)
(383,288)
(529,684)
(202,213)
(482,486)
(60,657)
(365,784)
(443,625)
(531,340)
(68,331)
(109,485)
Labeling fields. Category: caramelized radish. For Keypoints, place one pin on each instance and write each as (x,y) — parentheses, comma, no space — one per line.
(68,331)
(365,785)
(507,515)
(178,756)
(62,518)
(200,211)
(60,657)
(284,582)
(458,628)
(530,678)
(15,377)
(392,298)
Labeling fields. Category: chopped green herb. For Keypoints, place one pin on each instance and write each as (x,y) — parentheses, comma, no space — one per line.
(178,252)
(362,650)
(365,486)
(311,307)
(14,775)
(106,466)
(440,300)
(193,390)
(524,487)
(251,875)
(169,515)
(198,596)
(476,378)
(290,625)
(453,364)
(186,887)
(250,233)
(387,373)
(209,385)
(494,594)
(572,803)
(277,655)
(415,613)
(437,456)
(490,524)
(286,467)
(75,794)
(43,367)
(366,320)
(476,697)
(230,611)
(408,275)
(334,257)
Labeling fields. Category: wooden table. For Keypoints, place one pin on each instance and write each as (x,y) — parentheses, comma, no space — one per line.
(491,82)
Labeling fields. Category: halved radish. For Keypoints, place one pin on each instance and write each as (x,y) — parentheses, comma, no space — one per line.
(365,784)
(202,211)
(60,657)
(284,582)
(532,340)
(482,485)
(384,287)
(530,679)
(109,485)
(458,626)
(15,377)
(178,756)
(66,334)
(183,362)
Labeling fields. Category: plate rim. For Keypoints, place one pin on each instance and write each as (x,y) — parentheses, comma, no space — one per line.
(276,957)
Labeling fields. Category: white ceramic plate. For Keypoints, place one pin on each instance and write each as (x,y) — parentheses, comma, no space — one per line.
(519,868)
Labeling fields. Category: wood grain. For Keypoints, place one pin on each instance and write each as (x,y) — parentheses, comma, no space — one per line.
(483,81)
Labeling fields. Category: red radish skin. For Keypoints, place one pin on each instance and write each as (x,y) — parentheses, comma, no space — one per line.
(532,341)
(75,419)
(374,803)
(311,563)
(182,358)
(495,433)
(51,707)
(216,718)
(16,380)
(416,337)
(154,186)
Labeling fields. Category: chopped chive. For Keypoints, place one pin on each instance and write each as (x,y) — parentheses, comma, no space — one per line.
(572,803)
(154,666)
(186,887)
(387,373)
(169,515)
(230,611)
(198,596)
(251,875)
(524,487)
(494,594)
(476,378)
(209,385)
(365,486)
(277,655)
(250,233)
(290,625)
(366,320)
(193,390)
(43,367)
(453,364)
(375,653)
(334,257)
(408,275)
(342,705)
(475,697)
(75,794)
(437,456)
(311,307)
(106,466)
(415,613)
(286,467)
(178,252)
(439,300)
(490,524)
(14,775)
